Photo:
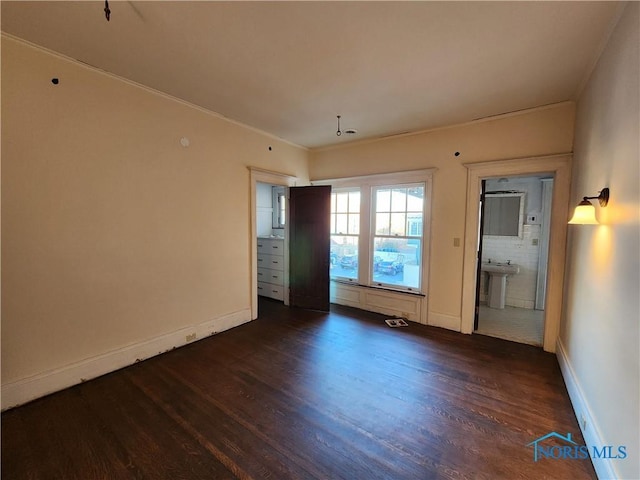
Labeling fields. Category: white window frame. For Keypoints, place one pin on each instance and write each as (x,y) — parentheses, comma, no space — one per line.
(358,236)
(365,244)
(373,235)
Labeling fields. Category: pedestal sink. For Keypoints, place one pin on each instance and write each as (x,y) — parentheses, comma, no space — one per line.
(498,281)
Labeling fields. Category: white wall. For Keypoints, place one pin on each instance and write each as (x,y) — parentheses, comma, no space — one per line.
(600,338)
(117,241)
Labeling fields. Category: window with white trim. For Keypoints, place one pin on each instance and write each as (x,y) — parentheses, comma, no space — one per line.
(388,247)
(397,235)
(345,232)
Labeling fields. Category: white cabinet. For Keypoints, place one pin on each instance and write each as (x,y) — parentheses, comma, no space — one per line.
(271,268)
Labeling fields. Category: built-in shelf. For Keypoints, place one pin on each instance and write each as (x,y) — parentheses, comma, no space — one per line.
(271,267)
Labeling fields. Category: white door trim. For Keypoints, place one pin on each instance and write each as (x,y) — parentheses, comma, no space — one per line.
(560,167)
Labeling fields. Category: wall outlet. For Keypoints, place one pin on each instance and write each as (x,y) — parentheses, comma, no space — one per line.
(191,337)
(456,241)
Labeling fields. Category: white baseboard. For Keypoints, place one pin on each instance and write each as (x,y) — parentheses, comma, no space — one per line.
(450,322)
(27,389)
(592,435)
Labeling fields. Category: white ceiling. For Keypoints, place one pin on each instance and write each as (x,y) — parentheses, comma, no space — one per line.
(288,68)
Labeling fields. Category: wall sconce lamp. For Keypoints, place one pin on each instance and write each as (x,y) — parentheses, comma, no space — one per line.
(585,212)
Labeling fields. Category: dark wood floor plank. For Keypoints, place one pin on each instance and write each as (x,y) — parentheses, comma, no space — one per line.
(141,428)
(215,425)
(306,395)
(63,440)
(305,440)
(287,393)
(280,393)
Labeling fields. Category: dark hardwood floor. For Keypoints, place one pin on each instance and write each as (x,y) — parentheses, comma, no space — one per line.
(305,395)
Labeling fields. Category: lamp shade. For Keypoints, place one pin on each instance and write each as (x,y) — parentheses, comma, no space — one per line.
(585,214)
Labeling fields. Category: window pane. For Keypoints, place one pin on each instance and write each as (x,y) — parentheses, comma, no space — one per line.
(415,199)
(399,200)
(383,200)
(354,223)
(396,262)
(414,224)
(345,216)
(282,215)
(344,257)
(354,202)
(341,223)
(397,223)
(382,224)
(342,202)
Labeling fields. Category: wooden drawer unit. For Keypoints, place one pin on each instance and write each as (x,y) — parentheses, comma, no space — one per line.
(270,276)
(276,262)
(273,262)
(271,268)
(271,246)
(270,290)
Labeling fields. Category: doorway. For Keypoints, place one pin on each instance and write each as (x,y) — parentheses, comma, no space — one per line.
(276,228)
(558,166)
(270,230)
(513,246)
(262,182)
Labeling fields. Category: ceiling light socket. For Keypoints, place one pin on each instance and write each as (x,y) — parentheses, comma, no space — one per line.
(184,141)
(350,131)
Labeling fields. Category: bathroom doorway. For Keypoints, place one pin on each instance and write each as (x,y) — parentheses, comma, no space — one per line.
(559,168)
(513,246)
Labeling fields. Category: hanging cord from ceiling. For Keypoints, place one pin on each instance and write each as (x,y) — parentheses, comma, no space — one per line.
(107,10)
(338,132)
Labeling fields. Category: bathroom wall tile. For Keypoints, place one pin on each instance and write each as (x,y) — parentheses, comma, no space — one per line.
(521,288)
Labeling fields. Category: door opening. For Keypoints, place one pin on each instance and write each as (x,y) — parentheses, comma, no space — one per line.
(262,183)
(557,166)
(268,217)
(513,243)
(270,241)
